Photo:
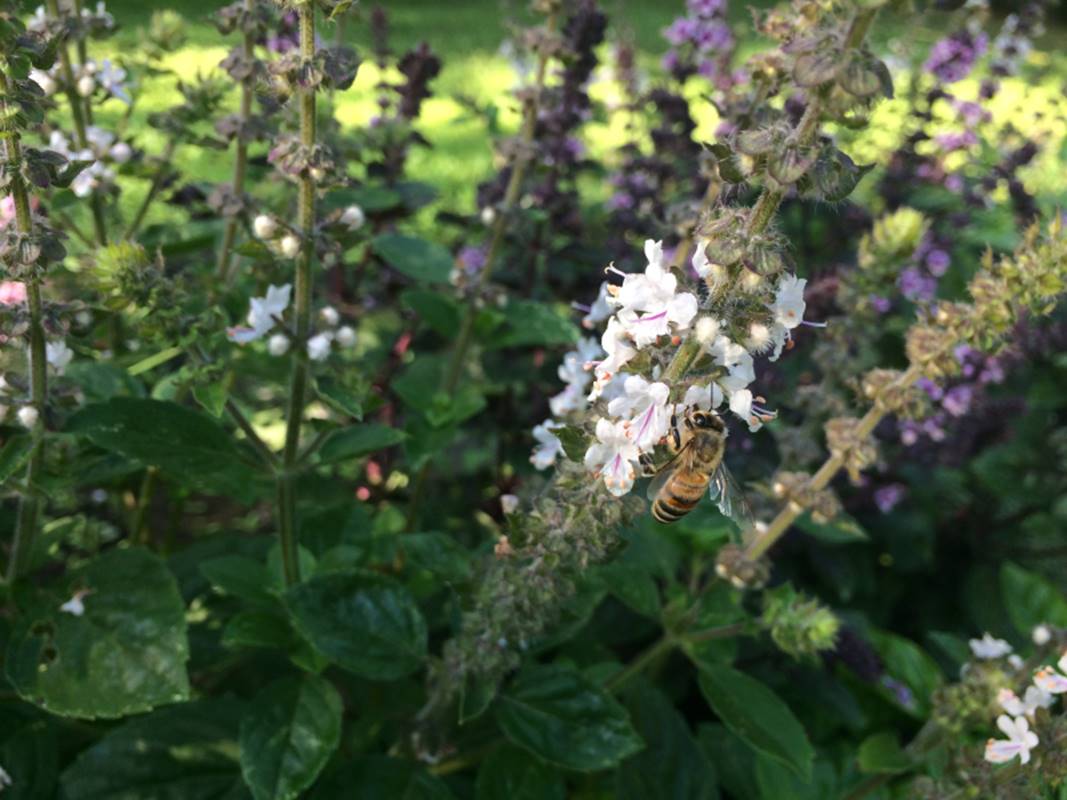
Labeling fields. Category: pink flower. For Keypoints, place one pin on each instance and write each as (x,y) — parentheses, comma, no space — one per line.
(12,293)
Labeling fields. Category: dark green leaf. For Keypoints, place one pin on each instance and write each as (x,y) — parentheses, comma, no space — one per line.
(756,714)
(842,529)
(563,718)
(1031,600)
(259,628)
(910,665)
(634,586)
(358,441)
(881,753)
(574,440)
(437,310)
(734,760)
(381,778)
(187,752)
(417,258)
(15,453)
(241,577)
(366,623)
(513,774)
(292,729)
(187,445)
(124,655)
(339,397)
(28,754)
(532,323)
(672,766)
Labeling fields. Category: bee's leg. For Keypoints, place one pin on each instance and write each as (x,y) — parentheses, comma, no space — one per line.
(676,435)
(648,465)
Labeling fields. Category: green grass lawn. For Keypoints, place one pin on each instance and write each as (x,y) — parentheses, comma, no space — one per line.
(467,35)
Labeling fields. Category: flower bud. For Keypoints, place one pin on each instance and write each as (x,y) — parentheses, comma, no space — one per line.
(1041,635)
(329,316)
(290,246)
(319,347)
(353,218)
(278,344)
(346,336)
(121,152)
(488,215)
(28,416)
(264,226)
(800,626)
(86,85)
(509,503)
(707,330)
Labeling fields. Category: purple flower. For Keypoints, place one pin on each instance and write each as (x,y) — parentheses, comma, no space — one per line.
(706,8)
(957,401)
(954,183)
(713,36)
(901,692)
(681,31)
(937,261)
(933,391)
(993,372)
(952,58)
(881,305)
(957,140)
(620,200)
(916,286)
(670,61)
(471,259)
(887,497)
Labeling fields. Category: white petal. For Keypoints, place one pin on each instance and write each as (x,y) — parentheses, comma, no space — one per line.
(1001,751)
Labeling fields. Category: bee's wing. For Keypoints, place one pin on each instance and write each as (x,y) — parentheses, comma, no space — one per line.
(730,497)
(664,471)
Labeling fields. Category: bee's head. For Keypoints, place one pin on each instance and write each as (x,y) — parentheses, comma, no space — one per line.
(706,420)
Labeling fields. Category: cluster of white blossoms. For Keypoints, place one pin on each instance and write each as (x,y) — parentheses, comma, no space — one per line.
(266,314)
(649,313)
(103,150)
(1019,712)
(88,78)
(285,242)
(57,356)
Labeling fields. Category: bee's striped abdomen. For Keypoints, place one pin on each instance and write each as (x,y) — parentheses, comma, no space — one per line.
(679,495)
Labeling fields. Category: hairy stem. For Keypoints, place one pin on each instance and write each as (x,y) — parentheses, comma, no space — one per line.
(454,370)
(153,190)
(30,499)
(240,161)
(81,115)
(763,540)
(299,376)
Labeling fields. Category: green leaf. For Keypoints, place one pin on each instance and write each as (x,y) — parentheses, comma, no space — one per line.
(513,774)
(634,586)
(757,715)
(776,782)
(154,360)
(241,577)
(437,310)
(29,756)
(187,445)
(260,628)
(672,766)
(357,441)
(734,760)
(566,720)
(124,655)
(1031,600)
(533,323)
(381,778)
(908,663)
(881,754)
(339,397)
(213,396)
(417,258)
(187,752)
(15,453)
(288,736)
(575,441)
(367,624)
(842,529)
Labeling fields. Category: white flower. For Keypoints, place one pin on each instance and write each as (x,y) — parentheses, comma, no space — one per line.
(120,152)
(1033,698)
(346,336)
(600,310)
(261,314)
(788,309)
(28,416)
(488,216)
(290,245)
(278,344)
(644,409)
(617,344)
(86,85)
(572,398)
(76,604)
(1051,681)
(574,372)
(548,445)
(759,337)
(111,77)
(1041,635)
(1021,740)
(319,347)
(703,397)
(353,217)
(95,176)
(613,456)
(329,316)
(264,226)
(39,20)
(509,503)
(987,647)
(44,80)
(58,355)
(649,302)
(5,779)
(700,260)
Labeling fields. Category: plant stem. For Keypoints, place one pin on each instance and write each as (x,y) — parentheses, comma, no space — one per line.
(81,116)
(240,161)
(454,370)
(153,190)
(29,500)
(638,665)
(763,540)
(298,379)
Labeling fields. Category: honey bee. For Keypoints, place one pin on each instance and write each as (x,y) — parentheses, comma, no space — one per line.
(699,444)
